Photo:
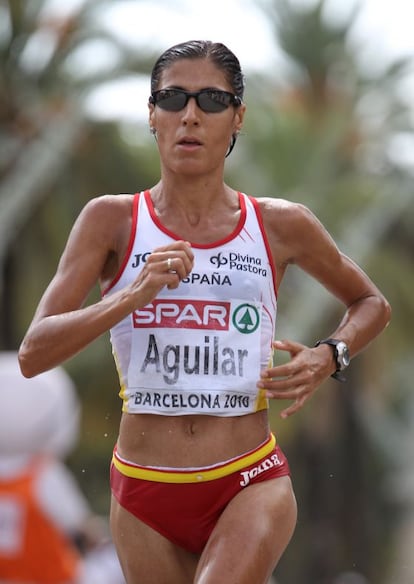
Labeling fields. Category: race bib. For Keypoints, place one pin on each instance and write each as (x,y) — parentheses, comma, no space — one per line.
(195,356)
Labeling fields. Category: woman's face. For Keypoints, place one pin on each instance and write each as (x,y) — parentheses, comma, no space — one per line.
(192,141)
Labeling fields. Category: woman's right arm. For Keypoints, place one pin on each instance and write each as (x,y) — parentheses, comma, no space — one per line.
(62,326)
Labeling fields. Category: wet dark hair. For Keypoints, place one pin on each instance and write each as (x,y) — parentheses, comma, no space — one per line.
(217,53)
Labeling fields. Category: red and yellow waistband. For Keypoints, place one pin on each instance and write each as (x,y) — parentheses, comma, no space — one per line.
(193,475)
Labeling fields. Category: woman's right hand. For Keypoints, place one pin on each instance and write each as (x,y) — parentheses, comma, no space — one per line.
(165,266)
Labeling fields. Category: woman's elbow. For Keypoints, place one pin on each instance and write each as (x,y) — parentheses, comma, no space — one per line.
(386,310)
(27,362)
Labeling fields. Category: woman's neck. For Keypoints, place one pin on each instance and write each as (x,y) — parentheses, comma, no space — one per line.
(200,215)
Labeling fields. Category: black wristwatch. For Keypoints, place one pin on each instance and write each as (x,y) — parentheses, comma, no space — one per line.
(341,356)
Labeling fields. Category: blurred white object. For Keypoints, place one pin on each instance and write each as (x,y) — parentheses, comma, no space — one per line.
(37,415)
(39,421)
(101,566)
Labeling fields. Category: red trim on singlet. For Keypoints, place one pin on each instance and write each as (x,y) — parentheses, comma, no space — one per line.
(130,244)
(265,239)
(173,235)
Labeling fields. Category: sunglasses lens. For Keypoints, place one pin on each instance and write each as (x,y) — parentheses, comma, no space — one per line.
(214,101)
(209,100)
(170,100)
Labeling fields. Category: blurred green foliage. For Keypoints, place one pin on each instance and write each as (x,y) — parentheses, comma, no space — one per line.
(321,134)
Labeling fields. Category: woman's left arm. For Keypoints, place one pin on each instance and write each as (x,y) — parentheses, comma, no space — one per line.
(302,240)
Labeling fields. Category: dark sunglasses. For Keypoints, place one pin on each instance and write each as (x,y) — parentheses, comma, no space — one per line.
(208,100)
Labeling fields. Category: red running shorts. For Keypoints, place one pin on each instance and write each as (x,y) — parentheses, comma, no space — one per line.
(184,505)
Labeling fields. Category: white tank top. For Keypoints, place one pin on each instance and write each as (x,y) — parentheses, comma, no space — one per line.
(198,349)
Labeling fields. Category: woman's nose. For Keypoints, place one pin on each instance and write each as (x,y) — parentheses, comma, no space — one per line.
(191,111)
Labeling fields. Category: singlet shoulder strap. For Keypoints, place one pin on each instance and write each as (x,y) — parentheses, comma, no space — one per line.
(135,205)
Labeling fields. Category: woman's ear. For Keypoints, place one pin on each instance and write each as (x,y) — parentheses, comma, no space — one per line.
(239,118)
(151,115)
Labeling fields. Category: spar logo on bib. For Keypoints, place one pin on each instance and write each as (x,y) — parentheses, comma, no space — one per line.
(178,313)
(197,314)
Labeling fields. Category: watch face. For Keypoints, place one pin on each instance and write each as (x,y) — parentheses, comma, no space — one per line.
(342,355)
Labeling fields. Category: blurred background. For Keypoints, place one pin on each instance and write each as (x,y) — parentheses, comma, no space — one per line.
(330,118)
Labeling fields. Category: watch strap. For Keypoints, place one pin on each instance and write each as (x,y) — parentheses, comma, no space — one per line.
(338,375)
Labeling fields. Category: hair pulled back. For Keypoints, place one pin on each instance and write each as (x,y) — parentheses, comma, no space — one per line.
(217,53)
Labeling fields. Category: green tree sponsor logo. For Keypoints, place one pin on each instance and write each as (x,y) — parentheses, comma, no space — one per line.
(246,318)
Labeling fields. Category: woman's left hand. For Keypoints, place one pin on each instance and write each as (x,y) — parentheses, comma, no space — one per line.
(299,378)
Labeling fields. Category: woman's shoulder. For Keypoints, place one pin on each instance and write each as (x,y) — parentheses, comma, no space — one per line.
(292,228)
(107,203)
(277,203)
(283,212)
(105,211)
(103,222)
